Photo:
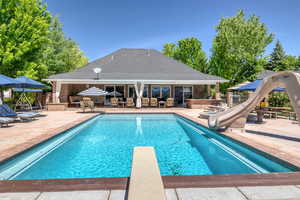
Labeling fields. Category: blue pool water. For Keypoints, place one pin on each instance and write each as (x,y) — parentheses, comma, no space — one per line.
(103,146)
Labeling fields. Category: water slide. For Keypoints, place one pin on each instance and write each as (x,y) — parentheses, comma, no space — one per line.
(236,116)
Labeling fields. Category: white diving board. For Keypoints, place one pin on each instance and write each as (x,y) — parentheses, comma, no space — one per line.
(145,181)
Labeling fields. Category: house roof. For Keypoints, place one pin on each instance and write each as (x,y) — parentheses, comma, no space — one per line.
(136,64)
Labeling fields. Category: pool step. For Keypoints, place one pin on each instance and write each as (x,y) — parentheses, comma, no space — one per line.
(145,180)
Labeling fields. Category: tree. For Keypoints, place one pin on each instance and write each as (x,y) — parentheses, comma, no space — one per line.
(289,63)
(24,29)
(188,51)
(276,62)
(61,54)
(238,48)
(298,64)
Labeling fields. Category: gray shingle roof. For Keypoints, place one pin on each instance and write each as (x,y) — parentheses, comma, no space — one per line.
(137,64)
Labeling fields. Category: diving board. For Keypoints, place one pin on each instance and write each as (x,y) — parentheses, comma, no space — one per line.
(145,181)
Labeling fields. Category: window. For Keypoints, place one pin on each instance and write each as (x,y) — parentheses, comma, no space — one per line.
(131,91)
(165,92)
(156,92)
(120,89)
(145,92)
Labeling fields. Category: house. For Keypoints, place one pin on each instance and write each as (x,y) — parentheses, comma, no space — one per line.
(136,73)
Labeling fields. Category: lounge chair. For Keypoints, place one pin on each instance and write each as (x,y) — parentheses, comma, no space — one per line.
(153,102)
(114,101)
(5,120)
(170,102)
(87,103)
(145,102)
(6,111)
(129,102)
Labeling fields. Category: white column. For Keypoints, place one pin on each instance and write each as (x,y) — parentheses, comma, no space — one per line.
(218,94)
(56,92)
(139,88)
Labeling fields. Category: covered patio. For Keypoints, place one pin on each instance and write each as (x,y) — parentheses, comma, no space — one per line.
(137,74)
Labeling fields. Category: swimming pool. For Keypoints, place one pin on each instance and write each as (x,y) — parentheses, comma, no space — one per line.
(103,146)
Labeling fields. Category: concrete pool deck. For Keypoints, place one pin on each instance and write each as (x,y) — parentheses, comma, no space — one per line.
(289,192)
(281,135)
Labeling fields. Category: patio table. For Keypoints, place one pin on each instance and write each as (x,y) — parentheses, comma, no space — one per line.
(162,103)
(122,103)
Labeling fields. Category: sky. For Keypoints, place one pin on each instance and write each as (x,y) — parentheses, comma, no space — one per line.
(103,26)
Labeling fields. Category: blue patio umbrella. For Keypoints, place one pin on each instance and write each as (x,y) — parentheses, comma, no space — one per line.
(8,82)
(255,84)
(26,82)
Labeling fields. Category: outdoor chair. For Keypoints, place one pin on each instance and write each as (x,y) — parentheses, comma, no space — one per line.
(129,102)
(6,121)
(145,102)
(170,102)
(114,101)
(74,100)
(153,102)
(6,111)
(87,103)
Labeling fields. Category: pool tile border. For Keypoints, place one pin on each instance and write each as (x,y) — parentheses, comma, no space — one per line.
(203,181)
(271,179)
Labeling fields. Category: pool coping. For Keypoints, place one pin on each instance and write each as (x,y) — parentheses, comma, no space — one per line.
(231,180)
(122,183)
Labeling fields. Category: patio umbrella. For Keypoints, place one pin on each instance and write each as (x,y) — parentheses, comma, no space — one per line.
(93,91)
(115,94)
(7,81)
(25,83)
(255,84)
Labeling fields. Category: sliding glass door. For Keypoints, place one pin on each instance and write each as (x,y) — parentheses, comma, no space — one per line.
(182,93)
(118,89)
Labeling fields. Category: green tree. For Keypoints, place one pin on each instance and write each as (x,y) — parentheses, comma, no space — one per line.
(277,57)
(24,29)
(289,63)
(238,48)
(61,54)
(298,64)
(188,51)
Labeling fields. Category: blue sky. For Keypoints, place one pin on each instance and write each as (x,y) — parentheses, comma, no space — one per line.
(103,26)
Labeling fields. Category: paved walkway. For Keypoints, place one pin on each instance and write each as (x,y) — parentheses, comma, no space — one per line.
(228,193)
